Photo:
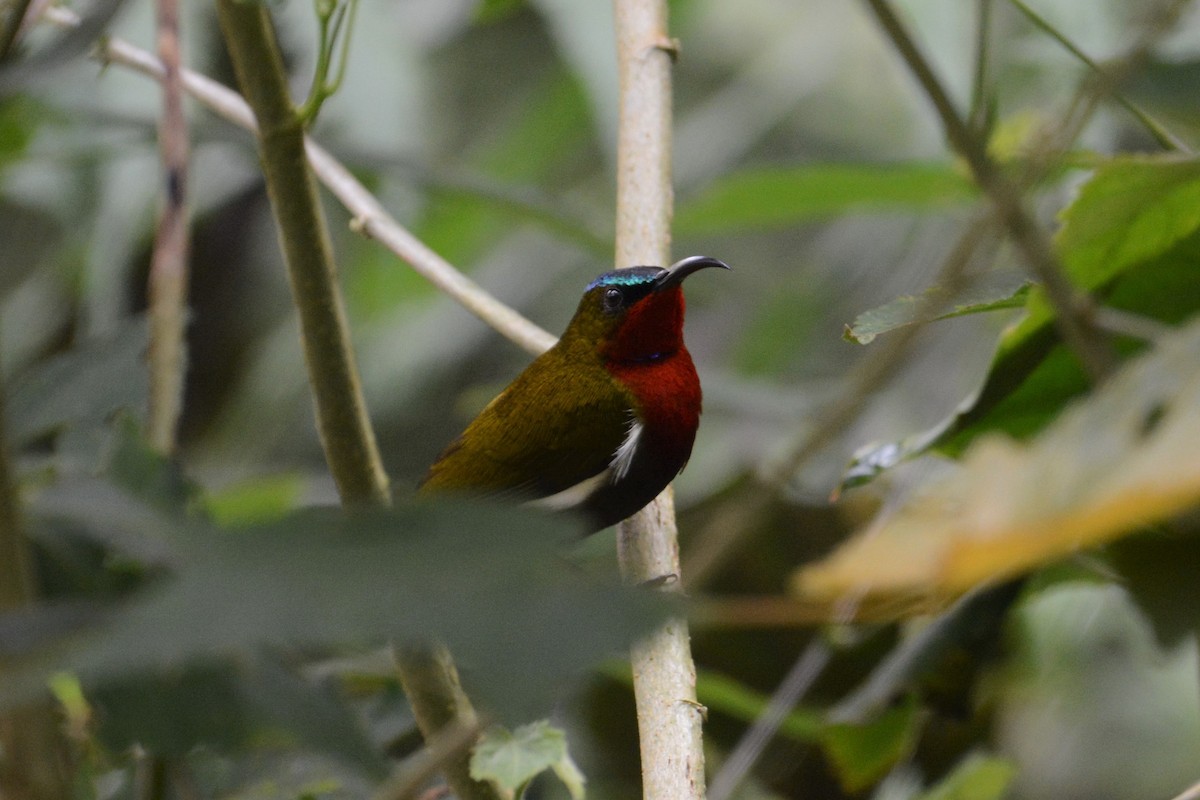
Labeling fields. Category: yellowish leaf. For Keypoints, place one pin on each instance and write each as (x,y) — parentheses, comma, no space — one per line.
(1127,455)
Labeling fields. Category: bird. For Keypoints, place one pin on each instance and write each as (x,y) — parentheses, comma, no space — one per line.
(600,423)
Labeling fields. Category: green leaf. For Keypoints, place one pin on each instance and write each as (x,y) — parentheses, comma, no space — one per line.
(1132,237)
(779,197)
(314,714)
(1133,209)
(999,289)
(82,387)
(977,777)
(1159,571)
(18,119)
(488,12)
(514,758)
(258,500)
(1111,463)
(862,754)
(170,713)
(488,580)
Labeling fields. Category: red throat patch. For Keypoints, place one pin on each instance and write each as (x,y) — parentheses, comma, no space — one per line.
(648,356)
(653,328)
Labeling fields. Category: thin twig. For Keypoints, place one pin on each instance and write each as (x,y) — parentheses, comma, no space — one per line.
(168,280)
(979,117)
(450,743)
(12,28)
(342,421)
(1164,138)
(787,696)
(369,215)
(1126,323)
(664,676)
(1072,309)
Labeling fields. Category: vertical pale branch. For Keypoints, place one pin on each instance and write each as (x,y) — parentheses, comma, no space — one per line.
(168,266)
(34,760)
(664,676)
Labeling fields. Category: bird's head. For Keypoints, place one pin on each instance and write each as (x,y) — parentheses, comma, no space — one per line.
(635,314)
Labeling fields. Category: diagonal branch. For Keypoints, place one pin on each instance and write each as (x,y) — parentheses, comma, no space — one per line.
(1073,309)
(370,217)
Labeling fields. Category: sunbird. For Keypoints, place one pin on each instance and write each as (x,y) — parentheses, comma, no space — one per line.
(601,422)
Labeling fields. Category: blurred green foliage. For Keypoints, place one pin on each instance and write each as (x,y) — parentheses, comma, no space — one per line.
(217,611)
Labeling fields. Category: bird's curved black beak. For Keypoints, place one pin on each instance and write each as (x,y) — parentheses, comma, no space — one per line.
(675,273)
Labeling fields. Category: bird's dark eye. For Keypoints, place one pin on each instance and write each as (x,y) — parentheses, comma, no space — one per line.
(612,299)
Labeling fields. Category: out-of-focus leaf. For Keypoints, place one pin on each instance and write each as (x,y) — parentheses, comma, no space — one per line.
(774,338)
(514,758)
(173,711)
(490,11)
(314,715)
(1123,458)
(18,116)
(84,385)
(992,291)
(146,473)
(1159,571)
(255,501)
(970,626)
(862,754)
(461,223)
(488,580)
(74,43)
(977,777)
(771,198)
(1132,237)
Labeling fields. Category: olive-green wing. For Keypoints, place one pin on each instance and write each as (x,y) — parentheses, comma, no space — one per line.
(551,429)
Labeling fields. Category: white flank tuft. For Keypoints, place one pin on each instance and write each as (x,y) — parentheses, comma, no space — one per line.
(623,458)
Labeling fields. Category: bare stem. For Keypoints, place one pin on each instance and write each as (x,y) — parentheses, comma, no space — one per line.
(664,676)
(428,674)
(342,419)
(168,266)
(449,744)
(1072,309)
(431,684)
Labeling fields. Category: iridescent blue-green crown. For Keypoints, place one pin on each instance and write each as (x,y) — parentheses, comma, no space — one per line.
(632,276)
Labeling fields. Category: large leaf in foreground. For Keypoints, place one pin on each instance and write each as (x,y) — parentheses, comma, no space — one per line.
(1123,458)
(488,580)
